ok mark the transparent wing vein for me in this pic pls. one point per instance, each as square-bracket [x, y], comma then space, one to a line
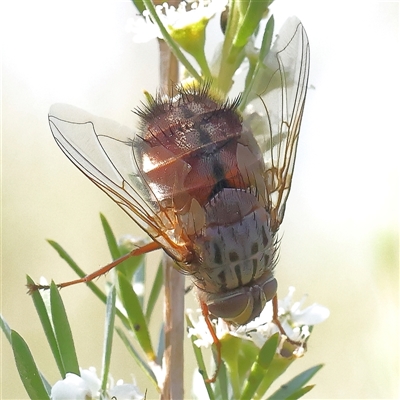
[276, 112]
[103, 150]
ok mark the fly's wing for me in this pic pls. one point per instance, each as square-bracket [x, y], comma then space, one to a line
[105, 152]
[276, 112]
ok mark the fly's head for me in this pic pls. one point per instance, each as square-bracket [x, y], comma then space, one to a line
[243, 304]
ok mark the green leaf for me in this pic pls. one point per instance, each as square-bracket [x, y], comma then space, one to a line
[110, 237]
[63, 332]
[139, 280]
[161, 344]
[65, 256]
[277, 367]
[139, 5]
[92, 286]
[27, 369]
[222, 383]
[260, 367]
[200, 362]
[136, 318]
[44, 316]
[294, 385]
[132, 265]
[155, 291]
[268, 351]
[301, 392]
[5, 328]
[248, 93]
[142, 364]
[227, 68]
[248, 354]
[230, 350]
[108, 337]
[249, 23]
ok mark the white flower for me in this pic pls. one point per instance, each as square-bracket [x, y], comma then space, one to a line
[87, 386]
[73, 387]
[294, 321]
[201, 331]
[144, 29]
[125, 391]
[91, 379]
[294, 316]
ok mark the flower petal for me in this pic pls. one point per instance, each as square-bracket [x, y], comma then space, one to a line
[73, 387]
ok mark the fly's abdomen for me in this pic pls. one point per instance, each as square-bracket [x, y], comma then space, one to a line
[237, 246]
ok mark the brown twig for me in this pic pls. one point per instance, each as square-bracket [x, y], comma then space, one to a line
[174, 282]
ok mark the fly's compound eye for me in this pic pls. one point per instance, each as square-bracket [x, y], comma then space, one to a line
[242, 306]
[269, 289]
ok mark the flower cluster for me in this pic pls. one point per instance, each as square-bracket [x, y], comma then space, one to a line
[186, 16]
[295, 321]
[87, 386]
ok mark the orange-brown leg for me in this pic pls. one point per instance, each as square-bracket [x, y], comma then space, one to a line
[206, 314]
[276, 321]
[136, 252]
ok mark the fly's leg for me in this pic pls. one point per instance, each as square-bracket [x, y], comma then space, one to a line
[276, 321]
[88, 278]
[206, 314]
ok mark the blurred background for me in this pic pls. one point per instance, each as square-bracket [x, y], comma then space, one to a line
[340, 234]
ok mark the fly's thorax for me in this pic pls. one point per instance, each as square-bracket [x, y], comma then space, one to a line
[236, 247]
[240, 306]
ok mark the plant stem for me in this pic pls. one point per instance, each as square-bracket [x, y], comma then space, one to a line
[174, 332]
[174, 282]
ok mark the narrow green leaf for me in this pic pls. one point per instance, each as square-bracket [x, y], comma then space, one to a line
[295, 384]
[5, 328]
[222, 384]
[139, 5]
[155, 291]
[44, 316]
[260, 366]
[27, 369]
[200, 362]
[248, 354]
[161, 344]
[110, 237]
[265, 48]
[301, 392]
[139, 281]
[142, 364]
[135, 316]
[108, 336]
[74, 266]
[92, 286]
[254, 13]
[277, 367]
[63, 332]
[268, 351]
[132, 265]
[230, 350]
